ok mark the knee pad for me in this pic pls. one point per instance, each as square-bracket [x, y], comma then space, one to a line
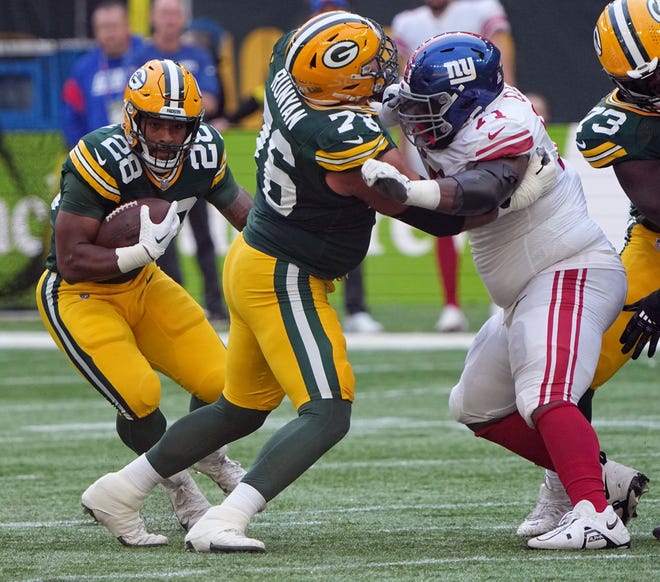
[141, 434]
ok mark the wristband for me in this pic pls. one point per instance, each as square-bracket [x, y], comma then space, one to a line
[129, 258]
[424, 193]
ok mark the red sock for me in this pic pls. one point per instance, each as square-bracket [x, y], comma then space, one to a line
[575, 452]
[447, 257]
[513, 433]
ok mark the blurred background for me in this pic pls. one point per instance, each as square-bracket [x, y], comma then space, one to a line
[40, 40]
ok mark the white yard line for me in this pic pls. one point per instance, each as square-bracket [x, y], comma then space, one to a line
[40, 340]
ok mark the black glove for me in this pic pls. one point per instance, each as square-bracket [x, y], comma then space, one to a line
[644, 326]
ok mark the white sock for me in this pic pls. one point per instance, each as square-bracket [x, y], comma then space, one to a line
[245, 498]
[552, 481]
[142, 474]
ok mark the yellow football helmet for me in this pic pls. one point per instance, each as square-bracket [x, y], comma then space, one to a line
[338, 57]
[165, 90]
[627, 42]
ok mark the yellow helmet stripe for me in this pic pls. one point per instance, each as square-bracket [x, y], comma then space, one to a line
[626, 36]
[93, 174]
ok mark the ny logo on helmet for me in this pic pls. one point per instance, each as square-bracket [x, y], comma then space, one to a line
[461, 71]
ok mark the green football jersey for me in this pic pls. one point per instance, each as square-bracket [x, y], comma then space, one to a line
[102, 172]
[296, 216]
[615, 131]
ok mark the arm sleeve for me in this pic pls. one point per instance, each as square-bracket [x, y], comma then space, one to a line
[432, 222]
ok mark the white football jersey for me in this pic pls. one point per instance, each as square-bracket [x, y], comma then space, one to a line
[555, 232]
[411, 28]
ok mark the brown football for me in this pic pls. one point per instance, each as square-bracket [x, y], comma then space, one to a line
[121, 228]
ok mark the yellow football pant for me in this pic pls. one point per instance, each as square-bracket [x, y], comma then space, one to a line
[285, 338]
[117, 335]
[641, 258]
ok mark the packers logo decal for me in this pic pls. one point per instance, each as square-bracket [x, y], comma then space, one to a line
[341, 54]
[138, 79]
[654, 9]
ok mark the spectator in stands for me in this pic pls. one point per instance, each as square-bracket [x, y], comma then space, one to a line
[168, 21]
[93, 94]
[410, 29]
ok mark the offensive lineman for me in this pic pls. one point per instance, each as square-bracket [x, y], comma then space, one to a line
[548, 265]
[310, 224]
[113, 312]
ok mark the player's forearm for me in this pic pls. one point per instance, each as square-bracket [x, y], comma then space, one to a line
[88, 262]
[236, 213]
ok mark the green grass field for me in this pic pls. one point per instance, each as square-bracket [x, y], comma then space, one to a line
[407, 495]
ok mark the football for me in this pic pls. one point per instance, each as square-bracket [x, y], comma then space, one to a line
[121, 228]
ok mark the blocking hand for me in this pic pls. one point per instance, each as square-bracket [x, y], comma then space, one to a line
[644, 326]
[388, 110]
[385, 178]
[539, 178]
[155, 237]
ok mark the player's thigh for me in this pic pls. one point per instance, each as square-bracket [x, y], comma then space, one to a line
[89, 323]
[556, 332]
[485, 390]
[641, 258]
[284, 317]
[178, 340]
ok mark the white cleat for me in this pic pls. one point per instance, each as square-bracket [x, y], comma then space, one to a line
[623, 487]
[114, 501]
[187, 500]
[361, 322]
[219, 467]
[551, 506]
[584, 528]
[222, 529]
[452, 319]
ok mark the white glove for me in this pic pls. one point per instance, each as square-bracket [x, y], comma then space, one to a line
[154, 239]
[385, 178]
[393, 185]
[388, 109]
[540, 177]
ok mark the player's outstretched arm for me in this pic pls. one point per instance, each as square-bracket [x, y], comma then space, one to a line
[479, 189]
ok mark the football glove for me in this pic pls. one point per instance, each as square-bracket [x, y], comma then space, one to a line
[539, 179]
[644, 326]
[154, 239]
[388, 108]
[393, 185]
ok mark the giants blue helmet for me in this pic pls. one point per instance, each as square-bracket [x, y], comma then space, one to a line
[448, 80]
